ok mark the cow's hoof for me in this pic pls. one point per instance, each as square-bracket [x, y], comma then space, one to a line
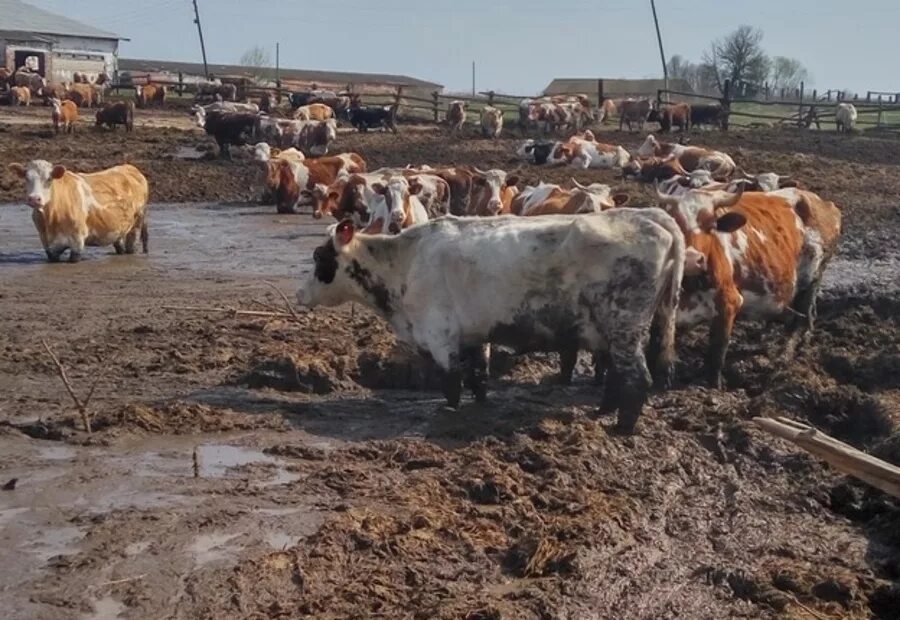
[74, 257]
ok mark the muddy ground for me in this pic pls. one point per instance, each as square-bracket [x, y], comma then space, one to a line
[301, 465]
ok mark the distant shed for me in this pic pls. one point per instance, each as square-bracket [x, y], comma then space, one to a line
[293, 79]
[53, 45]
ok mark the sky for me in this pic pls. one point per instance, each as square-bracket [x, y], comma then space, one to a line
[519, 46]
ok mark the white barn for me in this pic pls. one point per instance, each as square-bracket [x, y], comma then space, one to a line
[53, 45]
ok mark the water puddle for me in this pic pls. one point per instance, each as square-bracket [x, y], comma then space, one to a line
[282, 476]
[106, 608]
[208, 548]
[56, 453]
[280, 540]
[54, 542]
[188, 153]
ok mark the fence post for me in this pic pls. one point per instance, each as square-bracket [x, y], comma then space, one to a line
[766, 91]
[815, 95]
[398, 95]
[490, 98]
[726, 104]
[180, 84]
[782, 93]
[659, 96]
[869, 97]
[800, 107]
[434, 96]
[600, 96]
[880, 121]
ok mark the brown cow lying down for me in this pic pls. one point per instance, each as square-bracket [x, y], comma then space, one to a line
[72, 210]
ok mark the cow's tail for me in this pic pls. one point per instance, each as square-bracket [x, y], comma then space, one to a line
[129, 117]
[667, 302]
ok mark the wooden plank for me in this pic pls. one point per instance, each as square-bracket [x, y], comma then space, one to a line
[845, 458]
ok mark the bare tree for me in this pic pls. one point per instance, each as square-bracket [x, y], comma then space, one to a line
[699, 77]
[256, 56]
[787, 73]
[738, 57]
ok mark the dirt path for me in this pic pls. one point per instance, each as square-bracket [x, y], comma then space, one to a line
[331, 482]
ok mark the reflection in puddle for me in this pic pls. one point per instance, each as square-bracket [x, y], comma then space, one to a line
[215, 459]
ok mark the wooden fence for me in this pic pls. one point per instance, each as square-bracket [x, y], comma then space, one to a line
[803, 111]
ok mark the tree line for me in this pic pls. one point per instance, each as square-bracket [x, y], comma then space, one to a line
[740, 58]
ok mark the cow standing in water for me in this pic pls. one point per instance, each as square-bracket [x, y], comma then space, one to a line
[563, 283]
[72, 210]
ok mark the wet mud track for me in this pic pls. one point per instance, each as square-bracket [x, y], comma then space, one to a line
[328, 479]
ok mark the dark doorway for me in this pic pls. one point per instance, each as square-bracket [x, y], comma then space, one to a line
[22, 58]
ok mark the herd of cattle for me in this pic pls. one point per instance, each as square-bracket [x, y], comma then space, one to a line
[457, 258]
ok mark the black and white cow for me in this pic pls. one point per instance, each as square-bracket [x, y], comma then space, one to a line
[562, 283]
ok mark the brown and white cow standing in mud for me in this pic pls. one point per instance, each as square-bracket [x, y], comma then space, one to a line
[456, 116]
[764, 255]
[294, 182]
[491, 122]
[564, 283]
[64, 115]
[72, 210]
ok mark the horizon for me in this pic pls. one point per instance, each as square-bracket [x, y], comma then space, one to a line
[518, 47]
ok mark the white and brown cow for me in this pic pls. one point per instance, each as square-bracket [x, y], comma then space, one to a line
[720, 165]
[293, 182]
[398, 207]
[583, 151]
[72, 210]
[456, 116]
[763, 256]
[492, 192]
[491, 122]
[563, 283]
[554, 200]
[633, 111]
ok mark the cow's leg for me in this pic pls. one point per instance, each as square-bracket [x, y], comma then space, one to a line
[630, 378]
[720, 336]
[803, 322]
[54, 254]
[601, 364]
[475, 362]
[74, 256]
[145, 236]
[446, 353]
[119, 248]
[568, 357]
[131, 240]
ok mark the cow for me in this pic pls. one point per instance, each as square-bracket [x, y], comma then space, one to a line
[119, 113]
[64, 115]
[293, 182]
[85, 95]
[675, 115]
[607, 110]
[72, 210]
[30, 79]
[543, 152]
[845, 117]
[554, 200]
[768, 182]
[225, 106]
[20, 95]
[764, 256]
[433, 191]
[313, 112]
[215, 91]
[492, 192]
[449, 286]
[267, 102]
[150, 94]
[709, 114]
[456, 116]
[228, 128]
[351, 196]
[691, 158]
[399, 207]
[364, 118]
[312, 137]
[651, 169]
[491, 122]
[585, 152]
[634, 111]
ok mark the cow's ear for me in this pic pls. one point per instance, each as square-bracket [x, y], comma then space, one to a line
[512, 181]
[58, 171]
[730, 222]
[275, 153]
[343, 233]
[19, 169]
[379, 188]
[333, 196]
[414, 187]
[620, 200]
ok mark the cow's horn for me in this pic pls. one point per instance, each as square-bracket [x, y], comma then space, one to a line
[577, 184]
[478, 170]
[665, 199]
[727, 199]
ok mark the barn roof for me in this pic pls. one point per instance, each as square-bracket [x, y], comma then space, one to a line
[16, 16]
[614, 88]
[304, 75]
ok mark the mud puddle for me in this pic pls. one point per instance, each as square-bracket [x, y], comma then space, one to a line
[250, 240]
[133, 504]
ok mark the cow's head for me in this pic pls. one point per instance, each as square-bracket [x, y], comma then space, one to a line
[325, 198]
[769, 182]
[493, 183]
[396, 194]
[526, 150]
[600, 196]
[328, 284]
[649, 147]
[200, 116]
[262, 152]
[39, 176]
[700, 212]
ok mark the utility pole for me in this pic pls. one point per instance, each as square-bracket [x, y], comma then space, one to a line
[662, 54]
[202, 45]
[473, 79]
[277, 64]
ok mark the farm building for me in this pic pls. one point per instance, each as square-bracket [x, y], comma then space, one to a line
[292, 79]
[53, 45]
[614, 88]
